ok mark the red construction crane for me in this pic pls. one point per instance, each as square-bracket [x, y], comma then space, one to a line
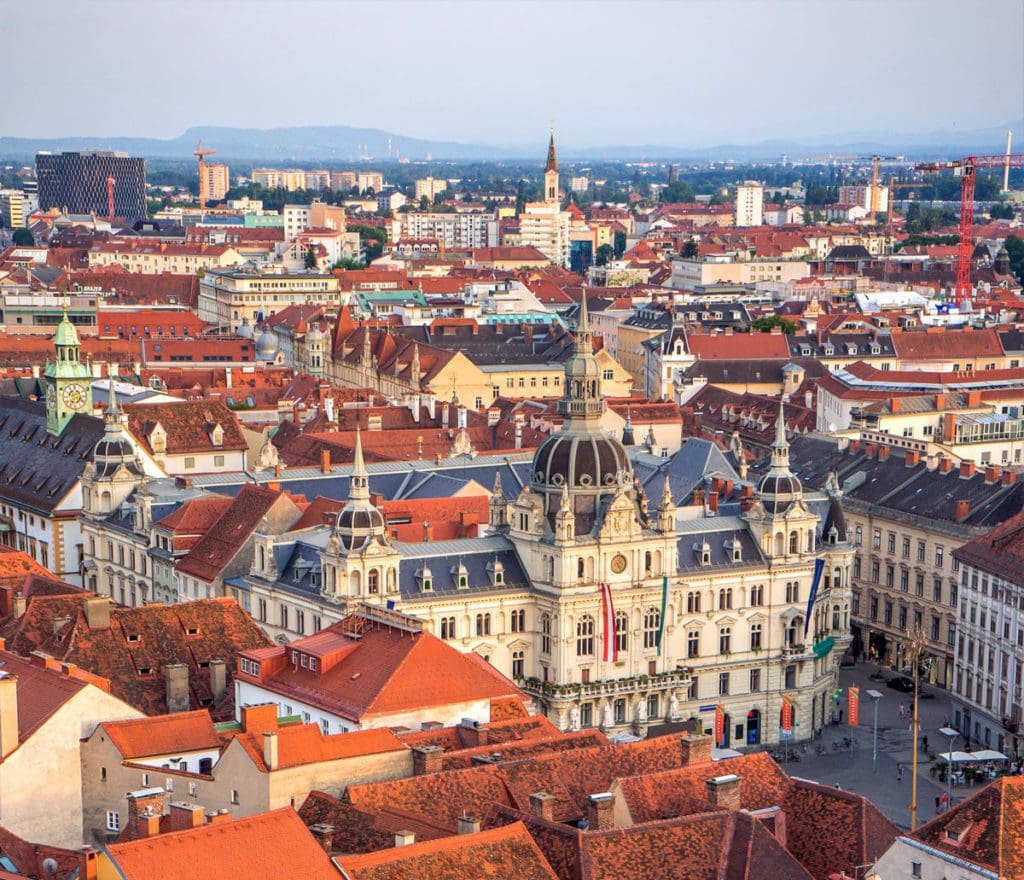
[201, 155]
[110, 198]
[965, 169]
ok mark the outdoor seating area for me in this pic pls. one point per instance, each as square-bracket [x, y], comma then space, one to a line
[969, 768]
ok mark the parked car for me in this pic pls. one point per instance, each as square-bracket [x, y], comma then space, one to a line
[901, 683]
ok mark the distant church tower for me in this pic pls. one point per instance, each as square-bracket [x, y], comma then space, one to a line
[551, 172]
[67, 380]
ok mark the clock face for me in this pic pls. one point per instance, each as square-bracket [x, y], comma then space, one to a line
[73, 396]
[618, 563]
[51, 397]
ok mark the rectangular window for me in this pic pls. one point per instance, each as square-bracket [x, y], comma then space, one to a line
[113, 820]
[755, 680]
[939, 553]
[723, 684]
[218, 461]
[190, 462]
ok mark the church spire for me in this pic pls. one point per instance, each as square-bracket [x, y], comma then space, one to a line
[359, 485]
[552, 156]
[780, 448]
[112, 414]
[551, 172]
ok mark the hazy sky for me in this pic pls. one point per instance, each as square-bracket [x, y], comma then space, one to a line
[690, 73]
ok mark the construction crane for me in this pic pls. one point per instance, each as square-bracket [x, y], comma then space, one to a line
[873, 199]
[110, 198]
[965, 169]
[201, 155]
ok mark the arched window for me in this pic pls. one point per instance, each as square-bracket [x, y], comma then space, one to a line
[652, 625]
[810, 540]
[725, 599]
[261, 559]
[545, 633]
[483, 624]
[779, 543]
[580, 568]
[373, 582]
[518, 621]
[585, 636]
[693, 603]
[835, 617]
[447, 627]
[794, 542]
[551, 568]
[837, 577]
[757, 595]
[621, 631]
[724, 640]
[755, 636]
[648, 559]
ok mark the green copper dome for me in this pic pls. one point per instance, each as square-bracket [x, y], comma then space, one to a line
[66, 333]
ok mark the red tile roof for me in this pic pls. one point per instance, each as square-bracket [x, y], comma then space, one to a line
[505, 852]
[999, 551]
[258, 847]
[931, 345]
[188, 424]
[301, 744]
[40, 691]
[738, 345]
[163, 734]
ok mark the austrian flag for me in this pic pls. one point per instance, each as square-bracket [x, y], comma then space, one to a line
[610, 643]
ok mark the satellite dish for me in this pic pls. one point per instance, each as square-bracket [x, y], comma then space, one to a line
[50, 866]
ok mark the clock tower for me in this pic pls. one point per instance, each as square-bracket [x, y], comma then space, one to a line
[67, 380]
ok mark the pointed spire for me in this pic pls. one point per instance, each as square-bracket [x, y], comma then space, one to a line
[780, 426]
[666, 492]
[780, 448]
[552, 164]
[564, 506]
[112, 408]
[497, 491]
[359, 484]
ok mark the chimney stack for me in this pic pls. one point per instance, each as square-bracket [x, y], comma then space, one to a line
[218, 679]
[696, 748]
[270, 749]
[724, 792]
[601, 811]
[949, 427]
[426, 759]
[542, 805]
[883, 453]
[8, 714]
[405, 838]
[945, 465]
[991, 475]
[963, 509]
[1009, 478]
[471, 733]
[966, 470]
[325, 461]
[145, 807]
[97, 612]
[184, 816]
[176, 681]
[324, 835]
[712, 502]
[88, 868]
[468, 824]
[913, 458]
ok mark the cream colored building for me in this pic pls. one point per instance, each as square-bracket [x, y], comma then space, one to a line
[750, 203]
[41, 790]
[545, 226]
[12, 208]
[156, 257]
[428, 187]
[215, 182]
[726, 269]
[227, 298]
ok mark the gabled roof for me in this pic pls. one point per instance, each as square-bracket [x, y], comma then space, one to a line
[738, 345]
[505, 852]
[301, 744]
[258, 847]
[163, 734]
[986, 829]
[40, 692]
[188, 424]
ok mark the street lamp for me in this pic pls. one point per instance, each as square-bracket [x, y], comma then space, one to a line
[951, 734]
[875, 697]
[915, 645]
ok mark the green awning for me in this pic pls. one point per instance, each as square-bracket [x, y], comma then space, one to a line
[824, 647]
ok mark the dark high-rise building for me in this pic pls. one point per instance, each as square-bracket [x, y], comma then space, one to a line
[77, 183]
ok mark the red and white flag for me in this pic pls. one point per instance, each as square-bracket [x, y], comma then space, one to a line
[610, 652]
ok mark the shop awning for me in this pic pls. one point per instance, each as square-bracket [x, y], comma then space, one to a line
[988, 755]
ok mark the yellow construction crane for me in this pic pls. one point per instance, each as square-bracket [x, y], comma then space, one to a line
[204, 187]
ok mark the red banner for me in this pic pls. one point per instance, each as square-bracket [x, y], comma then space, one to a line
[853, 706]
[719, 725]
[787, 714]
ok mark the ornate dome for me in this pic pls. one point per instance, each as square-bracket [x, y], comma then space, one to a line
[113, 450]
[245, 329]
[357, 523]
[778, 492]
[266, 346]
[579, 461]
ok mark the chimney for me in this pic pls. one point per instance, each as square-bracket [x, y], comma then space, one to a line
[991, 475]
[145, 808]
[542, 805]
[1009, 478]
[97, 612]
[949, 427]
[325, 461]
[295, 413]
[809, 399]
[974, 398]
[963, 508]
[895, 405]
[940, 402]
[601, 811]
[218, 818]
[8, 714]
[724, 792]
[696, 749]
[426, 759]
[227, 377]
[698, 497]
[176, 680]
[518, 420]
[324, 835]
[712, 502]
[945, 465]
[913, 458]
[870, 450]
[471, 733]
[184, 816]
[966, 470]
[408, 838]
[854, 446]
[468, 824]
[218, 679]
[270, 756]
[444, 415]
[883, 453]
[88, 868]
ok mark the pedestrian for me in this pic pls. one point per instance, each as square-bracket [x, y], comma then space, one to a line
[899, 772]
[924, 742]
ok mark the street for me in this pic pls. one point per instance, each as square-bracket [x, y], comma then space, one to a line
[851, 769]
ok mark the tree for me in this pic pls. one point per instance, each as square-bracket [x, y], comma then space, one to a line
[604, 254]
[1001, 211]
[23, 238]
[690, 250]
[310, 258]
[766, 324]
[347, 263]
[1015, 248]
[677, 191]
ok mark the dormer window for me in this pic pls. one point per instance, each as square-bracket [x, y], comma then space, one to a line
[703, 552]
[805, 350]
[158, 439]
[876, 348]
[217, 435]
[497, 572]
[734, 549]
[829, 349]
[425, 579]
[461, 575]
[833, 535]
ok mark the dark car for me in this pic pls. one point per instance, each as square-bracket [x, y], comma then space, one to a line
[901, 683]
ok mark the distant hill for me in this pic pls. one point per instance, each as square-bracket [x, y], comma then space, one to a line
[342, 143]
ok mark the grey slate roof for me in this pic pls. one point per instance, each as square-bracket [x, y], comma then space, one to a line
[694, 462]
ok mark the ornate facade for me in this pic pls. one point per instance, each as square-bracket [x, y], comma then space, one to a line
[611, 609]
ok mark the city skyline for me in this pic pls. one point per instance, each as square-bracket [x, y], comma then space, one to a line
[692, 81]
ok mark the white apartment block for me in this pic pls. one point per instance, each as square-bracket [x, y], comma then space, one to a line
[545, 226]
[453, 230]
[750, 203]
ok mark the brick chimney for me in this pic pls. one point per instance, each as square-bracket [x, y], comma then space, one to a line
[468, 824]
[184, 816]
[405, 838]
[176, 682]
[913, 458]
[945, 465]
[1009, 478]
[696, 748]
[218, 817]
[324, 835]
[854, 447]
[940, 402]
[426, 759]
[325, 461]
[88, 866]
[270, 749]
[948, 427]
[712, 502]
[966, 470]
[724, 792]
[218, 679]
[97, 612]
[8, 714]
[145, 807]
[895, 405]
[542, 805]
[991, 475]
[471, 733]
[963, 508]
[974, 398]
[601, 811]
[883, 453]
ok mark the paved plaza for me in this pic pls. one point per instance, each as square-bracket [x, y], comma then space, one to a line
[851, 770]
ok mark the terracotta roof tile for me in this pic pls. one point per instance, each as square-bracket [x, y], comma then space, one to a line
[163, 734]
[188, 424]
[300, 744]
[40, 692]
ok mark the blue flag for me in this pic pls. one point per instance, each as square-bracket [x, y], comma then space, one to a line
[819, 567]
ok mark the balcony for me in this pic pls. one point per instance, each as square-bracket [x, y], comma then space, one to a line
[611, 687]
[796, 652]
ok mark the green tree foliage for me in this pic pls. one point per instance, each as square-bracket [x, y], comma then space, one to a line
[1015, 248]
[691, 250]
[1001, 211]
[921, 218]
[23, 238]
[766, 324]
[374, 237]
[676, 192]
[619, 245]
[604, 254]
[310, 259]
[346, 263]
